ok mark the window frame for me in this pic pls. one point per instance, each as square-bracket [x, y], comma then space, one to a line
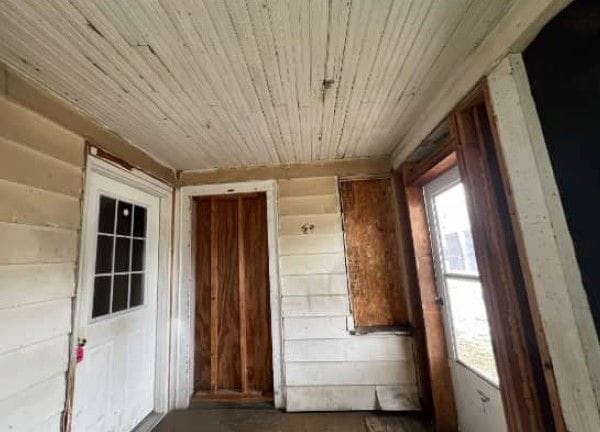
[96, 220]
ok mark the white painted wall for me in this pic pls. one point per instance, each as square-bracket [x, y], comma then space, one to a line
[327, 368]
[40, 192]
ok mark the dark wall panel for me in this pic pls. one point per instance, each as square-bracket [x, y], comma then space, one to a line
[232, 329]
[563, 64]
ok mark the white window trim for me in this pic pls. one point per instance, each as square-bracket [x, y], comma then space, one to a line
[182, 348]
[164, 193]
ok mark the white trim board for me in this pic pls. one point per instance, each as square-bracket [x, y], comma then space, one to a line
[184, 296]
[548, 248]
[163, 192]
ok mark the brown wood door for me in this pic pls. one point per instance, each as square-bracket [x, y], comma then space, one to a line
[233, 329]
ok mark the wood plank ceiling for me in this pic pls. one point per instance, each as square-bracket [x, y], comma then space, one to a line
[221, 83]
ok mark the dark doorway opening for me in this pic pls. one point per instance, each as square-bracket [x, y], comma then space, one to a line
[563, 67]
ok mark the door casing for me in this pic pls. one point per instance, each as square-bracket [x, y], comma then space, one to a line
[184, 293]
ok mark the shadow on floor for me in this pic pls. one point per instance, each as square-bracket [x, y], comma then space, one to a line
[250, 419]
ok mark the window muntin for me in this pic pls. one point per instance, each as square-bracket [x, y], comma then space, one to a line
[120, 257]
[460, 276]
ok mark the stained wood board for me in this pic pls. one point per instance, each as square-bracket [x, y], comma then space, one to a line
[372, 253]
[233, 339]
[523, 374]
[255, 252]
[203, 296]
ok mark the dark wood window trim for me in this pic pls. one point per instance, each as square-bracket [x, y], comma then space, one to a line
[431, 358]
[527, 383]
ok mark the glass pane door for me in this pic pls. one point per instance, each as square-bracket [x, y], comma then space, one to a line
[459, 281]
[120, 257]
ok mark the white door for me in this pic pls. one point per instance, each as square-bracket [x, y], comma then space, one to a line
[472, 362]
[115, 382]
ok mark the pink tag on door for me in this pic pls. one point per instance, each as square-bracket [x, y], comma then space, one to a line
[79, 354]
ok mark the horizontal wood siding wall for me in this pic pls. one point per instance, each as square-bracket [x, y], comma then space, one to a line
[41, 183]
[326, 367]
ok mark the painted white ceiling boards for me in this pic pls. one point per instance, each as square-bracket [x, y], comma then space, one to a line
[224, 83]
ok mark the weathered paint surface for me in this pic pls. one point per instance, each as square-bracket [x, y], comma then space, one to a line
[327, 368]
[40, 188]
[229, 83]
[511, 30]
[31, 96]
[547, 246]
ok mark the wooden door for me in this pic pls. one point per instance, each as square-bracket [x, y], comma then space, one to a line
[232, 331]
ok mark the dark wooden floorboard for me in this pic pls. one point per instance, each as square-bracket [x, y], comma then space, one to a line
[249, 419]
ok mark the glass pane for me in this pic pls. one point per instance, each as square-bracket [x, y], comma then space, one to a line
[124, 217]
[104, 254]
[106, 217]
[137, 258]
[137, 289]
[455, 231]
[101, 302]
[470, 325]
[122, 254]
[139, 222]
[120, 293]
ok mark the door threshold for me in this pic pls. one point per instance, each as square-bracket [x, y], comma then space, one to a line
[231, 405]
[231, 400]
[149, 423]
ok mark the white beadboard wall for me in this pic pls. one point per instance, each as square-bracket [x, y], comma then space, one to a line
[40, 192]
[327, 368]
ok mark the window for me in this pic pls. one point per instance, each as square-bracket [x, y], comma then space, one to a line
[120, 257]
[460, 276]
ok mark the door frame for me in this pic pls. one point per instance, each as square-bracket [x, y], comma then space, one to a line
[524, 365]
[436, 389]
[185, 292]
[139, 180]
[441, 183]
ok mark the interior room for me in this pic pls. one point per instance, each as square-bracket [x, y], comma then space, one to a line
[320, 215]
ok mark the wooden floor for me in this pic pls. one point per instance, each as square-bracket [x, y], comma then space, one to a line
[254, 418]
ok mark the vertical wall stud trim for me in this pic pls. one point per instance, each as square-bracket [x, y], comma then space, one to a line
[242, 296]
[547, 246]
